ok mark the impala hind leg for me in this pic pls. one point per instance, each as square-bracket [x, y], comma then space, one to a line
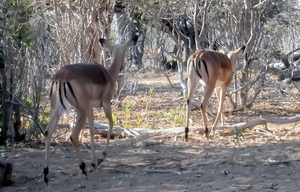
[80, 119]
[217, 91]
[191, 89]
[222, 93]
[108, 114]
[54, 116]
[92, 133]
[207, 93]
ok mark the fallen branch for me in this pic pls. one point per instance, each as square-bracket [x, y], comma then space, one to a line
[287, 162]
[153, 143]
[149, 170]
[135, 132]
[264, 132]
[263, 120]
[204, 163]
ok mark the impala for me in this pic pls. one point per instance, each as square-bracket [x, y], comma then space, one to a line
[153, 57]
[214, 70]
[85, 86]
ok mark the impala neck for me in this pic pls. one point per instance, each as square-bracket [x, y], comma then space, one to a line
[115, 67]
[233, 56]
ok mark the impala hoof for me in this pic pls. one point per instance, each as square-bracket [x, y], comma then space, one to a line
[99, 161]
[211, 135]
[45, 172]
[95, 168]
[83, 168]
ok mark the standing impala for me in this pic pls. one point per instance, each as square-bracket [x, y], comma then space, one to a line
[214, 70]
[85, 86]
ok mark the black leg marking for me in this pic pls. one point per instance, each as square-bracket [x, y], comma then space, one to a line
[201, 106]
[186, 133]
[46, 171]
[82, 167]
[205, 66]
[51, 88]
[199, 64]
[65, 90]
[60, 98]
[198, 69]
[72, 91]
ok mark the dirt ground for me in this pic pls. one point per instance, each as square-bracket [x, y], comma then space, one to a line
[258, 162]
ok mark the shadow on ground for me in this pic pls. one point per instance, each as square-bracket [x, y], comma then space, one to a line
[158, 163]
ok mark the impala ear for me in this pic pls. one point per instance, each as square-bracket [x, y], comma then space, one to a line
[243, 48]
[106, 44]
[132, 41]
[239, 52]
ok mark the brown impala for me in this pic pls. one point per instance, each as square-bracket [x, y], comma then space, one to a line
[85, 86]
[214, 70]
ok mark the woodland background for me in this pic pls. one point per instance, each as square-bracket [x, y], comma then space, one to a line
[37, 37]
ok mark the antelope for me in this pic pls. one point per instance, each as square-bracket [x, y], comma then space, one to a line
[85, 86]
[153, 55]
[214, 70]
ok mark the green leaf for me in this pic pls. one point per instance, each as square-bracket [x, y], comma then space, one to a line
[29, 42]
[22, 31]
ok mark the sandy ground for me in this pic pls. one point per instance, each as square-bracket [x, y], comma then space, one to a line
[158, 162]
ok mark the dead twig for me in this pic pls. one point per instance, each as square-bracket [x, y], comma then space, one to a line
[152, 143]
[18, 101]
[204, 163]
[169, 80]
[264, 132]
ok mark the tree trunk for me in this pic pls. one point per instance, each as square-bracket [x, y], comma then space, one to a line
[180, 69]
[5, 173]
[4, 119]
[17, 122]
[139, 50]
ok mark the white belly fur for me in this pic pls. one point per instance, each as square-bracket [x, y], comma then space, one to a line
[219, 83]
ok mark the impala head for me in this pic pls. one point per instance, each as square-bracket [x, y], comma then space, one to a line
[118, 50]
[234, 55]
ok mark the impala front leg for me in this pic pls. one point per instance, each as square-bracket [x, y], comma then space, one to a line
[80, 119]
[217, 91]
[222, 92]
[207, 93]
[48, 135]
[191, 89]
[107, 110]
